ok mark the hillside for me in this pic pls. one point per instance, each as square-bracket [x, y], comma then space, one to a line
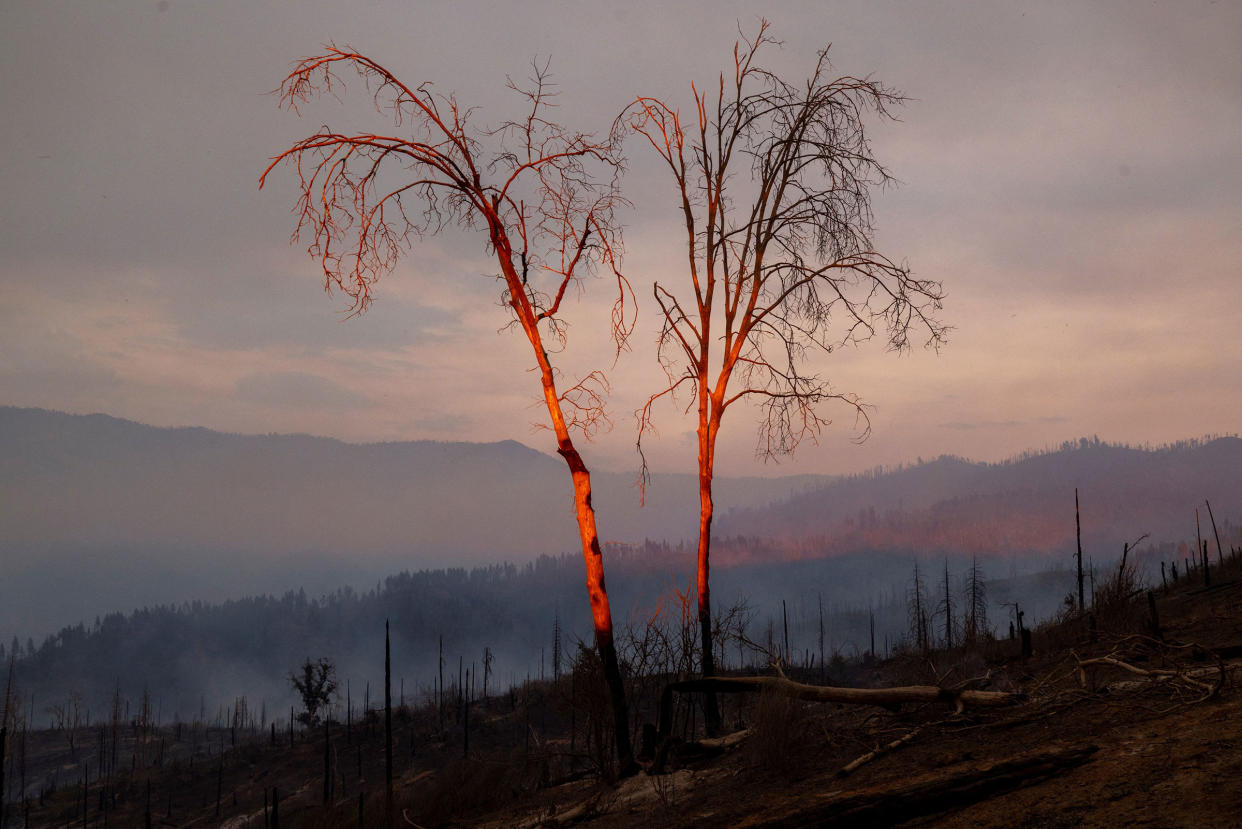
[200, 653]
[1025, 505]
[1116, 719]
[99, 515]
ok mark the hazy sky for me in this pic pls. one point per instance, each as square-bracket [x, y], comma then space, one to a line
[1072, 172]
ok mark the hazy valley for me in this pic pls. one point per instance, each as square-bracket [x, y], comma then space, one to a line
[312, 543]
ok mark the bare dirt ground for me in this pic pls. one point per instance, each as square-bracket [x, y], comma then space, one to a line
[1147, 734]
[1104, 746]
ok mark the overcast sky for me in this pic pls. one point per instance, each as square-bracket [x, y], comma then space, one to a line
[1071, 172]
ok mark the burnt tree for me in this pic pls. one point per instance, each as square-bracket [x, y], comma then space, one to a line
[542, 199]
[773, 182]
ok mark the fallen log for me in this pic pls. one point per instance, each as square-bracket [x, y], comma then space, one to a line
[827, 693]
[931, 795]
[852, 767]
[1154, 673]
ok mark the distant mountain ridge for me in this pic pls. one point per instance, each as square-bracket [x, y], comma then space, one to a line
[1023, 505]
[99, 480]
[99, 514]
[94, 479]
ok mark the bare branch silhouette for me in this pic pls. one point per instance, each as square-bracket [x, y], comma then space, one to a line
[774, 183]
[544, 198]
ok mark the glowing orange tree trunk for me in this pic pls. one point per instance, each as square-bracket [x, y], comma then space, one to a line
[584, 511]
[709, 427]
[779, 257]
[545, 196]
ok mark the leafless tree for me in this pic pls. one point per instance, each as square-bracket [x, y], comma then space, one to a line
[543, 198]
[946, 605]
[920, 627]
[774, 185]
[975, 620]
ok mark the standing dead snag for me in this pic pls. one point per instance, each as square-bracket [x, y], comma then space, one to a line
[975, 622]
[920, 629]
[545, 198]
[774, 183]
[1220, 553]
[1082, 607]
[388, 803]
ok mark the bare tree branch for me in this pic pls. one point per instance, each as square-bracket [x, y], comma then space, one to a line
[774, 182]
[546, 199]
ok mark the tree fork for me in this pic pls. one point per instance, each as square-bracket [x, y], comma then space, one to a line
[769, 271]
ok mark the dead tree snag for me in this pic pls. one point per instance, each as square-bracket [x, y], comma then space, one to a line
[543, 198]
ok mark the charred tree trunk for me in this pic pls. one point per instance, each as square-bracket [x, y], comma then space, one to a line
[821, 635]
[1220, 554]
[601, 612]
[785, 628]
[948, 609]
[4, 733]
[554, 197]
[918, 625]
[584, 510]
[1078, 534]
[709, 427]
[1198, 535]
[1155, 616]
[756, 276]
[388, 807]
[327, 764]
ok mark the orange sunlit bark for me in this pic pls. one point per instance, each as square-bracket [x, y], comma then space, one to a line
[548, 215]
[781, 259]
[584, 511]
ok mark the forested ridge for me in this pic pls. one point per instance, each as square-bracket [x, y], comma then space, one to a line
[198, 650]
[798, 542]
[1015, 506]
